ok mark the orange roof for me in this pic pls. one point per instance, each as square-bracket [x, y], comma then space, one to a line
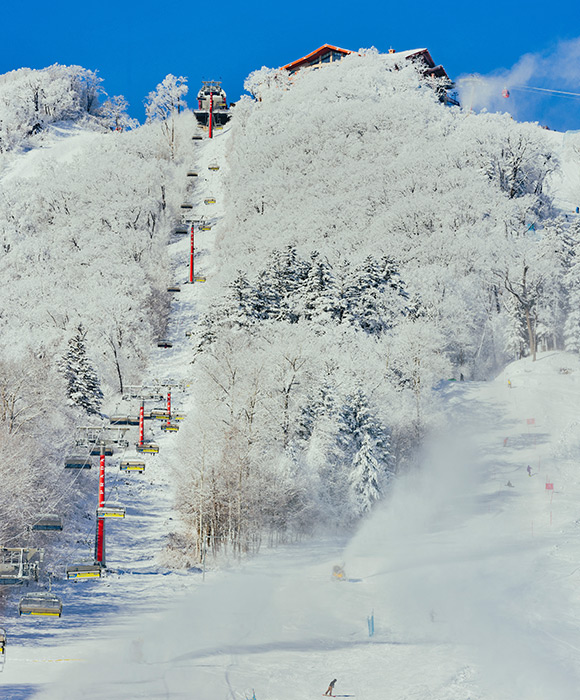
[314, 55]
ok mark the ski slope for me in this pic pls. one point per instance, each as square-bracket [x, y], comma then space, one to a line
[471, 582]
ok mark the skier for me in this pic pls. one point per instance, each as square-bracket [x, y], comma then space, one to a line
[509, 384]
[529, 470]
[330, 688]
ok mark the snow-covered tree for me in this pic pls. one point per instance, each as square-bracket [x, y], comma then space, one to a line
[83, 386]
[165, 103]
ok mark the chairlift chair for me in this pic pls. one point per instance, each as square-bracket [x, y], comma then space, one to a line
[205, 227]
[111, 510]
[46, 604]
[2, 645]
[124, 420]
[213, 166]
[174, 288]
[78, 462]
[151, 396]
[10, 575]
[107, 450]
[147, 448]
[209, 200]
[187, 206]
[48, 522]
[160, 414]
[191, 173]
[164, 344]
[132, 465]
[178, 416]
[197, 137]
[86, 570]
[170, 427]
[181, 231]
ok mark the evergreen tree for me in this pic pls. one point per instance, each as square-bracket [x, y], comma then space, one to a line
[365, 476]
[318, 291]
[364, 447]
[83, 386]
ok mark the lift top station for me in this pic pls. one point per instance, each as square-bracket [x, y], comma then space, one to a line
[212, 107]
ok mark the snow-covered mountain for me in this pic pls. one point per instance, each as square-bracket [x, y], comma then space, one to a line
[362, 246]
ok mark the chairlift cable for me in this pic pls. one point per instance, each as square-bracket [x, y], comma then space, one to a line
[549, 90]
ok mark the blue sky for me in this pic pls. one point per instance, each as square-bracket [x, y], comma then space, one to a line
[134, 45]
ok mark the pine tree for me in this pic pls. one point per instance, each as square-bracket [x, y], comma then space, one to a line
[83, 386]
[364, 447]
[365, 476]
[317, 295]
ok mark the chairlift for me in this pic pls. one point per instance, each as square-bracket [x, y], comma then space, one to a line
[10, 574]
[132, 465]
[46, 604]
[48, 522]
[107, 450]
[147, 448]
[151, 396]
[209, 200]
[86, 570]
[19, 564]
[111, 510]
[124, 420]
[170, 427]
[78, 462]
[191, 173]
[174, 288]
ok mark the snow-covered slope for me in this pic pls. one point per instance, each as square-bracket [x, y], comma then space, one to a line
[472, 582]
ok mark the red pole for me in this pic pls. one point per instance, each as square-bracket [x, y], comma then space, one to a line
[169, 407]
[210, 114]
[100, 545]
[191, 256]
[141, 421]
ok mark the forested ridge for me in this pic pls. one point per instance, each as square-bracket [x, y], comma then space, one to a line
[374, 244]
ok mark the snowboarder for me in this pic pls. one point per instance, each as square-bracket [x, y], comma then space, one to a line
[529, 470]
[509, 384]
[330, 688]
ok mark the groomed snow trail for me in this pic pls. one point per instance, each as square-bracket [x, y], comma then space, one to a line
[473, 591]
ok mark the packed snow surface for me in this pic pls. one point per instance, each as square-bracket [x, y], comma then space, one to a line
[468, 571]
